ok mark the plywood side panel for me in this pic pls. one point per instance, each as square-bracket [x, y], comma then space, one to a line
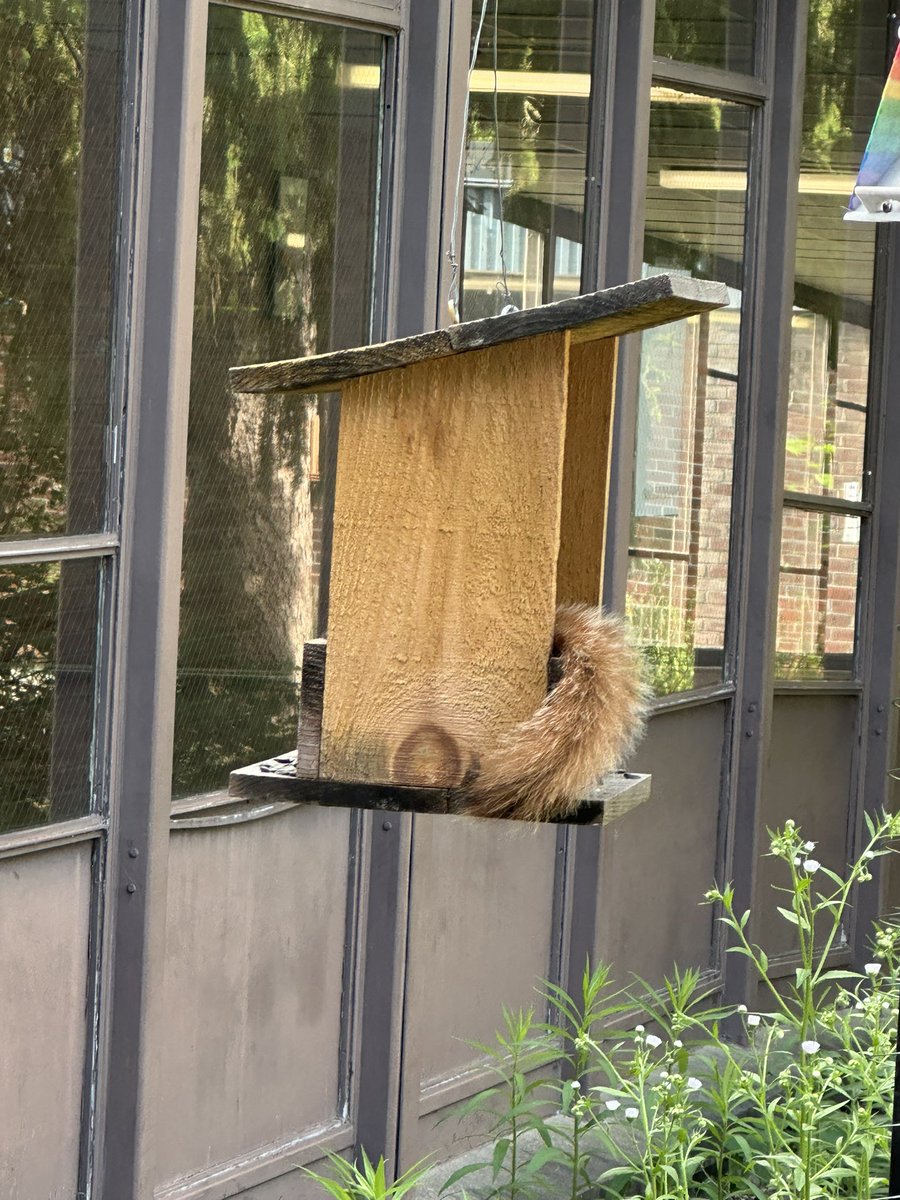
[659, 860]
[809, 780]
[44, 924]
[480, 937]
[446, 534]
[585, 489]
[255, 941]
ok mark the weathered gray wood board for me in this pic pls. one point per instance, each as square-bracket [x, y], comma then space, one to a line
[625, 309]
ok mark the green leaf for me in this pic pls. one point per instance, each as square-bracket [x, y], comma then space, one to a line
[790, 916]
[461, 1173]
[500, 1150]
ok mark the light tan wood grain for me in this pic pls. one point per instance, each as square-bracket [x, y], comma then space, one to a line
[585, 493]
[443, 578]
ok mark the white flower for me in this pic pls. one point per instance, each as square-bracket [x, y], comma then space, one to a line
[678, 1043]
[797, 860]
[653, 1041]
[742, 1008]
[809, 1047]
[612, 1105]
[753, 1020]
[872, 969]
[638, 1029]
[811, 865]
[632, 1114]
[693, 1084]
[575, 1085]
[809, 847]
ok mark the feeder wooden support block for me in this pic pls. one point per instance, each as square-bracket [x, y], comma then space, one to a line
[471, 499]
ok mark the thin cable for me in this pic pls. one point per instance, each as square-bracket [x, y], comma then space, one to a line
[453, 296]
[503, 272]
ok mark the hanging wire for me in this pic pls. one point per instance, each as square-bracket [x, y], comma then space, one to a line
[452, 256]
[453, 296]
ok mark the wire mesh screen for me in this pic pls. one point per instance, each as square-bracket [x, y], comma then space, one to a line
[288, 221]
[48, 653]
[59, 106]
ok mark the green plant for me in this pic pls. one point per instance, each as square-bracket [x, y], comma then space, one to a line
[796, 1109]
[365, 1181]
[517, 1103]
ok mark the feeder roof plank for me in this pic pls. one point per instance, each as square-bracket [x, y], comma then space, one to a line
[625, 309]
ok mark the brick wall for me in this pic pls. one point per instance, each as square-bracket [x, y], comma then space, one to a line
[681, 529]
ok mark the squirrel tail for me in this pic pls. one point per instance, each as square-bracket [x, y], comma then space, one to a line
[586, 726]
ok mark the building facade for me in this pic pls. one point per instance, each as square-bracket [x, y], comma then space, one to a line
[199, 995]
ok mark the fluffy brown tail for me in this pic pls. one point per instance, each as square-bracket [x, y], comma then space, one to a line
[585, 727]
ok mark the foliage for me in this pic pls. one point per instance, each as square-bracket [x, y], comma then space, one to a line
[355, 1181]
[797, 1108]
[670, 668]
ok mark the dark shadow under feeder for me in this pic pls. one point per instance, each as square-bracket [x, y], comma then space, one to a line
[470, 501]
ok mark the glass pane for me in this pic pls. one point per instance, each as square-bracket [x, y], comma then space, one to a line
[288, 218]
[681, 516]
[845, 72]
[834, 271]
[714, 33]
[538, 162]
[826, 433]
[59, 102]
[817, 595]
[48, 652]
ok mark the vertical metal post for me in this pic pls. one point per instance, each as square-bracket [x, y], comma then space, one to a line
[768, 359]
[878, 613]
[427, 140]
[161, 304]
[379, 1090]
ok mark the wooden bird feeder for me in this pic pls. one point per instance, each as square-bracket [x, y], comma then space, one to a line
[470, 499]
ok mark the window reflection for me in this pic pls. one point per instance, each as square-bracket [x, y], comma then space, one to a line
[543, 83]
[831, 327]
[48, 650]
[59, 112]
[681, 516]
[817, 595]
[712, 33]
[288, 217]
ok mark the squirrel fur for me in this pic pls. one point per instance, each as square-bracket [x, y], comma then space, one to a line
[587, 724]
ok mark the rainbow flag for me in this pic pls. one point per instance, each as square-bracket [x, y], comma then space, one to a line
[876, 196]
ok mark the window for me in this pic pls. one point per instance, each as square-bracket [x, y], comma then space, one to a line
[709, 33]
[681, 516]
[59, 203]
[290, 176]
[532, 148]
[826, 485]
